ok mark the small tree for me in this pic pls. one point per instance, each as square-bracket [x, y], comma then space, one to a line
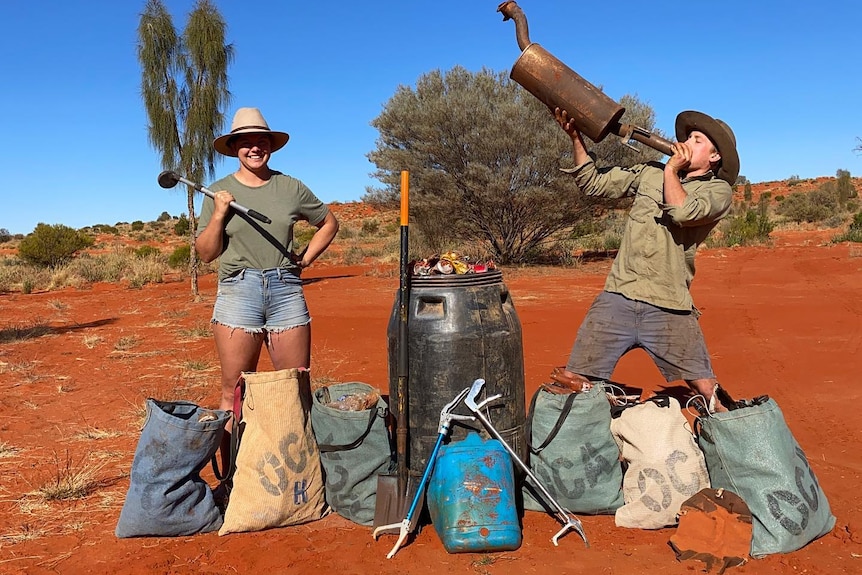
[484, 158]
[844, 187]
[747, 192]
[52, 246]
[5, 236]
[184, 84]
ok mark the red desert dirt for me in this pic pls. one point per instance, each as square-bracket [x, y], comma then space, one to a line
[77, 365]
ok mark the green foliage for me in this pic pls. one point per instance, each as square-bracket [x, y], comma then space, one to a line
[5, 236]
[52, 245]
[484, 158]
[164, 217]
[179, 257]
[137, 225]
[370, 226]
[844, 187]
[106, 229]
[751, 227]
[302, 234]
[793, 180]
[814, 206]
[147, 251]
[854, 231]
[184, 84]
[181, 228]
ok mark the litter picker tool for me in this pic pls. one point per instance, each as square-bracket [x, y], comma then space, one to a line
[564, 515]
[446, 418]
[169, 179]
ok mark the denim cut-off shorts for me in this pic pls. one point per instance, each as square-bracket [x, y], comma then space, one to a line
[614, 325]
[259, 301]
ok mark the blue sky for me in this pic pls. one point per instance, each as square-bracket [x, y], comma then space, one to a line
[784, 75]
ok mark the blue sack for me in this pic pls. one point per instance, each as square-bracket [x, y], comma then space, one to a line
[167, 496]
[354, 448]
[573, 452]
[751, 452]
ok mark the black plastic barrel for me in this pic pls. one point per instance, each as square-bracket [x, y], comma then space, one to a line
[460, 328]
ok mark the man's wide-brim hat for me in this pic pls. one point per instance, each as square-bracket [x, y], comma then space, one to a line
[248, 121]
[719, 134]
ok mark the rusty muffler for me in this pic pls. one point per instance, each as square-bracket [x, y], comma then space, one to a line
[558, 86]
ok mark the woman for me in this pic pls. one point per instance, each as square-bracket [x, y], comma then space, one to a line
[260, 299]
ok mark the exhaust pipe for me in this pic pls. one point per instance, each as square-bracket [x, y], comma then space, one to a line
[558, 86]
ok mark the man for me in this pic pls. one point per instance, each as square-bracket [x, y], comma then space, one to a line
[646, 301]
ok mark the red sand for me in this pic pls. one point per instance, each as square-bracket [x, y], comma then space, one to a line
[783, 321]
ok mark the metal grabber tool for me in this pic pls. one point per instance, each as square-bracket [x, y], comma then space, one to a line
[564, 515]
[446, 418]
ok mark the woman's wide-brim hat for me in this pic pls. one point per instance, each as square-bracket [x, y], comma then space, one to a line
[719, 134]
[248, 121]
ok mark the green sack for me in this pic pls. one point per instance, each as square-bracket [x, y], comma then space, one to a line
[573, 453]
[751, 452]
[354, 449]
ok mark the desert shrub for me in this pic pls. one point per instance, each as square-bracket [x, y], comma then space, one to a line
[793, 180]
[181, 228]
[66, 276]
[814, 206]
[747, 192]
[88, 268]
[353, 255]
[106, 229]
[164, 217]
[146, 270]
[137, 225]
[27, 276]
[369, 227]
[5, 236]
[115, 264]
[750, 227]
[346, 233]
[147, 251]
[179, 258]
[51, 246]
[854, 231]
[302, 233]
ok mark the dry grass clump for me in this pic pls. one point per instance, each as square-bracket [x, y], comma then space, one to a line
[69, 480]
[127, 342]
[90, 433]
[7, 450]
[201, 329]
[91, 341]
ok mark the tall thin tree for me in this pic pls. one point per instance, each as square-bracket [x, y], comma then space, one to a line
[184, 85]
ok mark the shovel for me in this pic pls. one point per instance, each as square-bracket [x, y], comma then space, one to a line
[394, 490]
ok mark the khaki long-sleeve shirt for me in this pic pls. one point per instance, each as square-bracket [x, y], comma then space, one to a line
[655, 262]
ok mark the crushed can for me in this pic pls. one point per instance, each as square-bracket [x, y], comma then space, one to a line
[471, 497]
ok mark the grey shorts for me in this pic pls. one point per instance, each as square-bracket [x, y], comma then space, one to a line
[614, 325]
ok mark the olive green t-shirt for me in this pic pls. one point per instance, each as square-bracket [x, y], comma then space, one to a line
[249, 243]
[655, 262]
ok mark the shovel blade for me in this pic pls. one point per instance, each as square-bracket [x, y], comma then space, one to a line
[392, 504]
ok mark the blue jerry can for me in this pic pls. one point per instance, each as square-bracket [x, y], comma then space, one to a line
[471, 497]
